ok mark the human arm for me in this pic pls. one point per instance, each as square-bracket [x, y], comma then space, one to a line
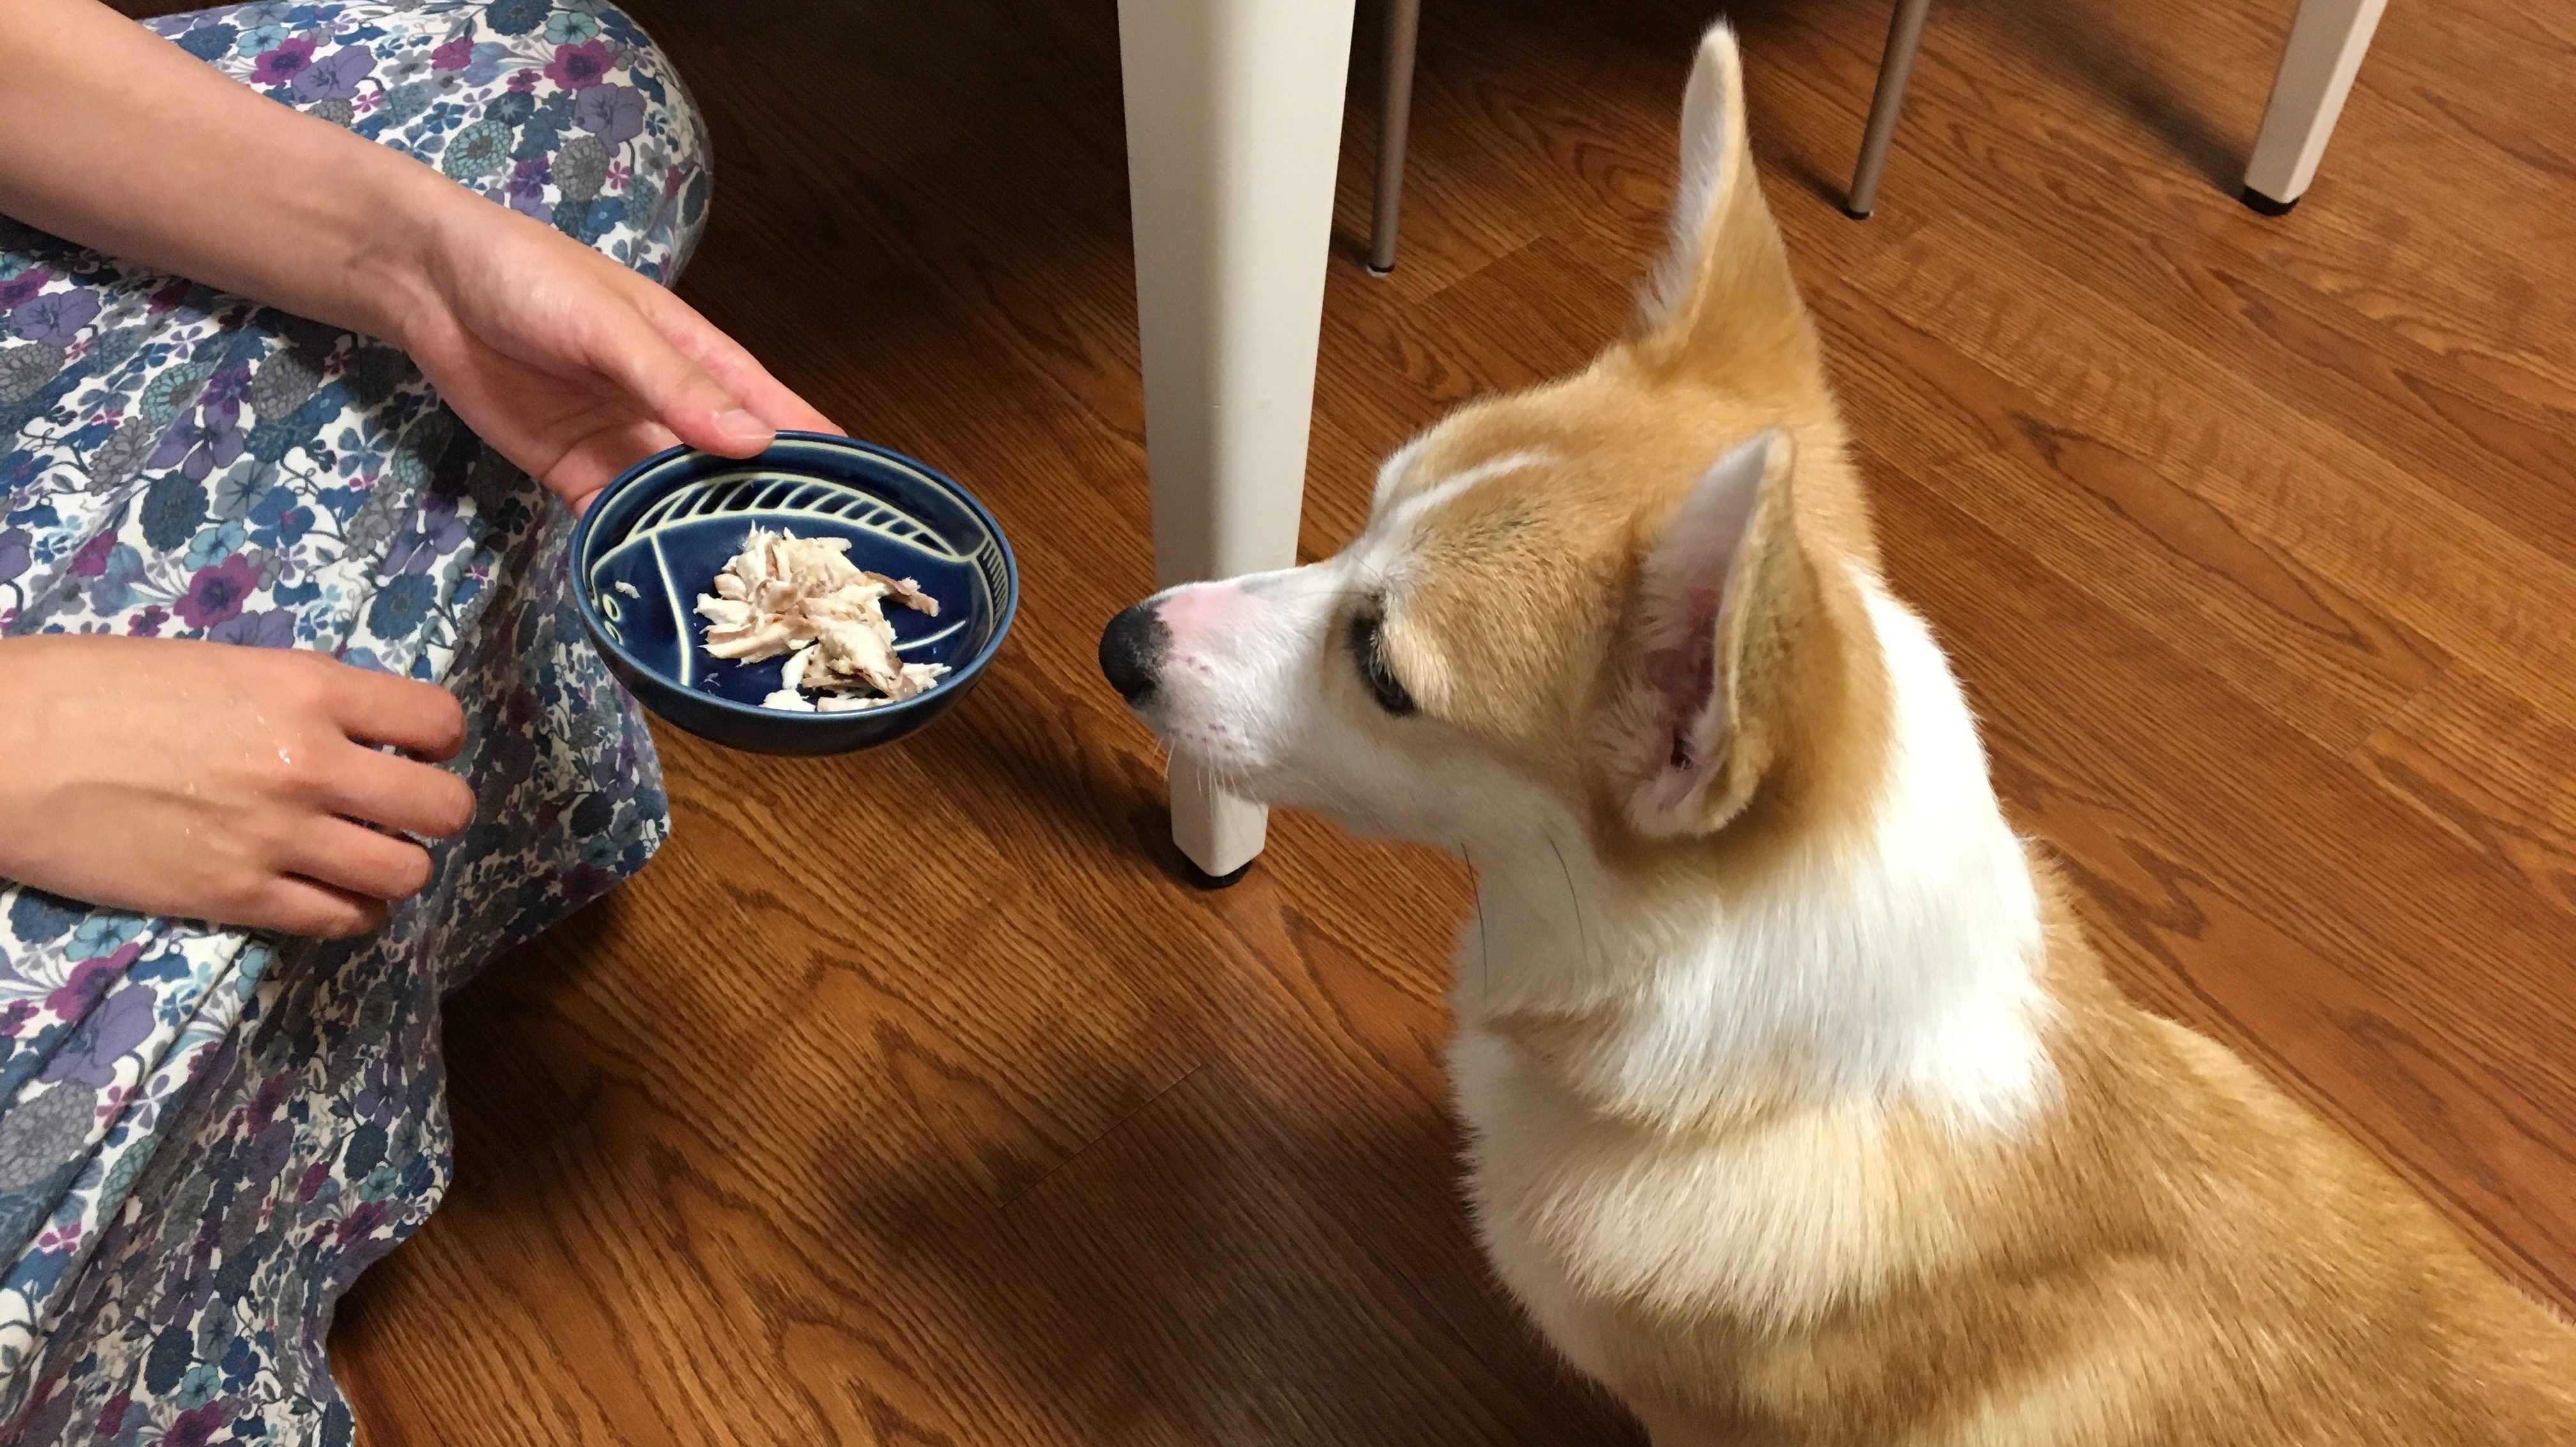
[569, 364]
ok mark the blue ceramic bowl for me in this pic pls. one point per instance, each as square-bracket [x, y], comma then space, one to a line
[670, 523]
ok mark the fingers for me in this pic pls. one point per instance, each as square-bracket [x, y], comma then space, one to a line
[421, 719]
[669, 386]
[732, 367]
[358, 861]
[400, 793]
[771, 401]
[334, 877]
[764, 395]
[304, 907]
[408, 797]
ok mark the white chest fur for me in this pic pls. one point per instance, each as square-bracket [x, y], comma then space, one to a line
[1896, 972]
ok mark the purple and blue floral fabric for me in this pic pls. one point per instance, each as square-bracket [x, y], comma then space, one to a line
[205, 1135]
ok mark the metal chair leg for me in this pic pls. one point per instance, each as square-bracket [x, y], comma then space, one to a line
[1395, 118]
[1904, 37]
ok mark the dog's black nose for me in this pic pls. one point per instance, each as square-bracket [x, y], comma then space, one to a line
[1131, 650]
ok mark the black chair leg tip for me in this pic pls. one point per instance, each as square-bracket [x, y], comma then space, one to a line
[1212, 882]
[1855, 215]
[2265, 205]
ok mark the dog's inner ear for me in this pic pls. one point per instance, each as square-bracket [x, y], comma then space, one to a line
[1707, 644]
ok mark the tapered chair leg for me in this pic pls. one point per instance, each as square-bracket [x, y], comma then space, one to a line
[1904, 38]
[1395, 118]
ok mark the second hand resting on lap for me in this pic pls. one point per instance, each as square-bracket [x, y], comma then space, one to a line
[207, 781]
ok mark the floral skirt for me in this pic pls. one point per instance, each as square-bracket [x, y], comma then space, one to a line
[205, 1134]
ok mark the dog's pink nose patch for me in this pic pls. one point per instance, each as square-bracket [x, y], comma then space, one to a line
[1202, 609]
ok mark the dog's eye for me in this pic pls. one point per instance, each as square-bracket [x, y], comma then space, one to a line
[1368, 654]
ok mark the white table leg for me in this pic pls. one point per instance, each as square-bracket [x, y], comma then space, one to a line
[2317, 66]
[1234, 127]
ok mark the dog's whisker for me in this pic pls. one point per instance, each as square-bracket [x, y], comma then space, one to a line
[1582, 935]
[1484, 943]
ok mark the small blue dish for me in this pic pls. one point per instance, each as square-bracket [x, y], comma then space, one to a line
[669, 524]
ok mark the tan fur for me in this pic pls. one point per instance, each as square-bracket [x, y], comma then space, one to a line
[2179, 1256]
[2171, 1253]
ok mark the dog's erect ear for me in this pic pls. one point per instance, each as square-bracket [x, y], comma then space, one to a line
[1723, 303]
[1696, 716]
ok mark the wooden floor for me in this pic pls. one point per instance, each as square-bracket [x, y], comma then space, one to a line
[908, 1099]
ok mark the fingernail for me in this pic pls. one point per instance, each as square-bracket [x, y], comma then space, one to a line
[738, 423]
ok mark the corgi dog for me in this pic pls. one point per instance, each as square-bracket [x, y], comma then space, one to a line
[1801, 1114]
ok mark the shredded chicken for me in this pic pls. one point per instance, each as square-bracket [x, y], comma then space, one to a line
[908, 592]
[803, 598]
